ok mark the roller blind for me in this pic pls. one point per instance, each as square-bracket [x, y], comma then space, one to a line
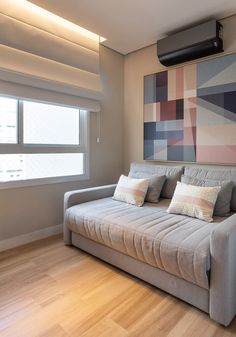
[41, 50]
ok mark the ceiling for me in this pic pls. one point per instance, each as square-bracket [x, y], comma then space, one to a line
[129, 25]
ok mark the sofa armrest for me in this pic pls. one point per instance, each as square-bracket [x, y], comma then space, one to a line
[78, 197]
[222, 304]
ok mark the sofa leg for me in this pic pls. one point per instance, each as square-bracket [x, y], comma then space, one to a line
[67, 234]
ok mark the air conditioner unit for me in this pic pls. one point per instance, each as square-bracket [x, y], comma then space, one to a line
[199, 41]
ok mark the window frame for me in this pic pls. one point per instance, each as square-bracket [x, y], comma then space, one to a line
[21, 148]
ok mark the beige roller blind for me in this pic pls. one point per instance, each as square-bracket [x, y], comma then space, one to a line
[42, 50]
[12, 89]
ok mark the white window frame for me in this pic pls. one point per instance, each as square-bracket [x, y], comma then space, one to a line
[21, 148]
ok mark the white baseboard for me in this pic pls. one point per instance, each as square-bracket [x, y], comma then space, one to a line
[29, 237]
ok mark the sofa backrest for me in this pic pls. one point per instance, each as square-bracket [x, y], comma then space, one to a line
[172, 173]
[215, 174]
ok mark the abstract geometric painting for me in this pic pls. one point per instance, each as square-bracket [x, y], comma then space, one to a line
[190, 113]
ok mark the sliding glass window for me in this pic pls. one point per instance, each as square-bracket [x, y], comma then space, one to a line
[41, 143]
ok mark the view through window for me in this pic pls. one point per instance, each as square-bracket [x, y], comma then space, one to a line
[8, 120]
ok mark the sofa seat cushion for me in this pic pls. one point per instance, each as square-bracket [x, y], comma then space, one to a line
[177, 244]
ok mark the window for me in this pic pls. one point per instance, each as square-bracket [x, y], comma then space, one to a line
[8, 120]
[41, 143]
[48, 124]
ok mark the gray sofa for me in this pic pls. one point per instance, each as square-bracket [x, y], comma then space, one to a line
[186, 257]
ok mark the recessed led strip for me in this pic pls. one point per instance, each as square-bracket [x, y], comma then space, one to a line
[34, 9]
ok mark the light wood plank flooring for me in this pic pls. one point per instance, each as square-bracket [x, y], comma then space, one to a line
[49, 290]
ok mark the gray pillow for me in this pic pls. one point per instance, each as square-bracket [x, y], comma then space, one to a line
[154, 187]
[172, 173]
[222, 205]
[228, 174]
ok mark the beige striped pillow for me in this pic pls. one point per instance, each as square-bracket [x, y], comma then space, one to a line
[195, 201]
[130, 190]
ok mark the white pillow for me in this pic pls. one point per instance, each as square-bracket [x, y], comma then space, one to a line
[195, 201]
[130, 190]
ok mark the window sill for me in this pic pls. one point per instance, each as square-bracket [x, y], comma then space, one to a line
[41, 181]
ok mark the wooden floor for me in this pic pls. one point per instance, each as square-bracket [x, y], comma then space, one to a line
[49, 290]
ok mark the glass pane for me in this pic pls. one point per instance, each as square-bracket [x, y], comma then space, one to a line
[50, 124]
[8, 120]
[34, 166]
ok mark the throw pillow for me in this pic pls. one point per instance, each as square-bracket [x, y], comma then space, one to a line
[154, 187]
[222, 205]
[195, 201]
[132, 191]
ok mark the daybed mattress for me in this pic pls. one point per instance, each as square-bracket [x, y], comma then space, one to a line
[178, 244]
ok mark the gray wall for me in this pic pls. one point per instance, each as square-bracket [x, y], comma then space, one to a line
[24, 210]
[138, 64]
